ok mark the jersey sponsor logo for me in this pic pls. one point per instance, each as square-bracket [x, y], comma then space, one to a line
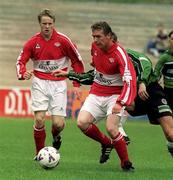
[99, 77]
[108, 80]
[48, 66]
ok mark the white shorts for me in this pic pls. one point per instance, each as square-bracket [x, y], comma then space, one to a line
[100, 106]
[49, 96]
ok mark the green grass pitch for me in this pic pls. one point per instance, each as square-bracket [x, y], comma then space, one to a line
[80, 155]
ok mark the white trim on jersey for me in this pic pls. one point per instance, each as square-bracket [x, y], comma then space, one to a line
[19, 75]
[126, 76]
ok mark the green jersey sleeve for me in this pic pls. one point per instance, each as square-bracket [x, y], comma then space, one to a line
[142, 64]
[164, 67]
[83, 78]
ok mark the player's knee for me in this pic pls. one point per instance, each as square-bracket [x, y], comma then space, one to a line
[82, 123]
[84, 120]
[169, 135]
[58, 122]
[59, 126]
[39, 120]
[112, 131]
[166, 123]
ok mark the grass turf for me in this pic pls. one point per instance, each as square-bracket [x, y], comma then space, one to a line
[80, 155]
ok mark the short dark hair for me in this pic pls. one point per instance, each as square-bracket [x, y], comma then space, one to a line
[46, 12]
[114, 37]
[102, 25]
[169, 35]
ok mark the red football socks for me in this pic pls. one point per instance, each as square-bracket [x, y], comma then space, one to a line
[121, 148]
[94, 133]
[39, 137]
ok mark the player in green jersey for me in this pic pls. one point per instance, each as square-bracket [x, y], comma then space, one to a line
[164, 68]
[151, 98]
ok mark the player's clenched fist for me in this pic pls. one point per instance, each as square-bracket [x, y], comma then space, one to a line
[28, 74]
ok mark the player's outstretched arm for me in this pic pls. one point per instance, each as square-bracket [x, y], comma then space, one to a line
[83, 78]
[60, 73]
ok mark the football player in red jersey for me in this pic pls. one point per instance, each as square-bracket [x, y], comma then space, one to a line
[49, 50]
[114, 87]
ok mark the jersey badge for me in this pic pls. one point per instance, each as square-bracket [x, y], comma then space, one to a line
[111, 60]
[57, 44]
[37, 46]
[164, 101]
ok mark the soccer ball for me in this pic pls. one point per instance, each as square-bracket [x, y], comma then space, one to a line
[48, 157]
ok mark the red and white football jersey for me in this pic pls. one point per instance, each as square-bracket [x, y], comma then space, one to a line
[48, 56]
[114, 74]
